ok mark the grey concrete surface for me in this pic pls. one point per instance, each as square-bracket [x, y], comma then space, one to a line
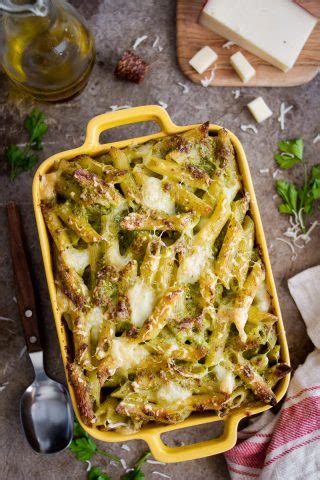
[116, 24]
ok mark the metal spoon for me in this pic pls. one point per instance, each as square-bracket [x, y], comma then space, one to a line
[45, 407]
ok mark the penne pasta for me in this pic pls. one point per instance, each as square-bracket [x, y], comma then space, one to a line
[160, 282]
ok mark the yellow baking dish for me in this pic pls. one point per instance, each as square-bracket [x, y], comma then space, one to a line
[152, 433]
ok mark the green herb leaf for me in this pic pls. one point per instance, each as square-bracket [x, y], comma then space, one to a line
[142, 459]
[78, 430]
[295, 147]
[286, 161]
[292, 153]
[96, 474]
[83, 448]
[136, 473]
[290, 194]
[315, 182]
[36, 126]
[19, 160]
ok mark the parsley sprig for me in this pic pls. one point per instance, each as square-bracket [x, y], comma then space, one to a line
[136, 473]
[297, 200]
[96, 474]
[84, 447]
[22, 159]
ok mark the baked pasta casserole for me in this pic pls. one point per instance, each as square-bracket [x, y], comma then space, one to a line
[160, 282]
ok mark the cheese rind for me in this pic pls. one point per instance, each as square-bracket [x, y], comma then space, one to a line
[243, 68]
[203, 59]
[274, 30]
[259, 109]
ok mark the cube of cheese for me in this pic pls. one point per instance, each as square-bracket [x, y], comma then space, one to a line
[243, 68]
[274, 30]
[203, 59]
[259, 109]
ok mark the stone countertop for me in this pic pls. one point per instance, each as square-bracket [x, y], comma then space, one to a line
[116, 25]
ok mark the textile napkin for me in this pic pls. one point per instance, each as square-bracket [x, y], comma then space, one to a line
[287, 445]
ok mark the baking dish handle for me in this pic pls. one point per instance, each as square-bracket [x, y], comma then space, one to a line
[227, 440]
[108, 120]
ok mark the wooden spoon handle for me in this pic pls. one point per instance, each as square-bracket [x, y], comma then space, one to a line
[23, 282]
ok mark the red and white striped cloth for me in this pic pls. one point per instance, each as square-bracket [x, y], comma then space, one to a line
[286, 446]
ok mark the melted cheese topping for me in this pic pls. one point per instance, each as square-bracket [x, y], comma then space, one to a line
[114, 256]
[262, 299]
[142, 301]
[225, 378]
[48, 184]
[127, 354]
[155, 197]
[77, 259]
[171, 392]
[191, 266]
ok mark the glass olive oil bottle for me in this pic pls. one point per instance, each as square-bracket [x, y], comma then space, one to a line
[46, 48]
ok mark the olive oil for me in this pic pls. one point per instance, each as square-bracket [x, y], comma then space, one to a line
[51, 55]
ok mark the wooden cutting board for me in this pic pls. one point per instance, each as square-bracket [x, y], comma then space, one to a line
[191, 37]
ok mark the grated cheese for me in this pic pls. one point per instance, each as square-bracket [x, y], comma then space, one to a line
[156, 44]
[3, 386]
[126, 447]
[283, 111]
[114, 108]
[123, 463]
[264, 170]
[116, 425]
[228, 44]
[316, 138]
[184, 86]
[294, 254]
[236, 93]
[89, 465]
[155, 462]
[276, 173]
[6, 319]
[163, 104]
[249, 127]
[138, 41]
[206, 81]
[155, 472]
[22, 352]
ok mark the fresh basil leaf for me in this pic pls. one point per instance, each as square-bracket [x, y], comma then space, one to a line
[96, 474]
[294, 147]
[83, 448]
[286, 161]
[36, 126]
[20, 160]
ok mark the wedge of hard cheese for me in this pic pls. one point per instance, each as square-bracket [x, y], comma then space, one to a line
[274, 30]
